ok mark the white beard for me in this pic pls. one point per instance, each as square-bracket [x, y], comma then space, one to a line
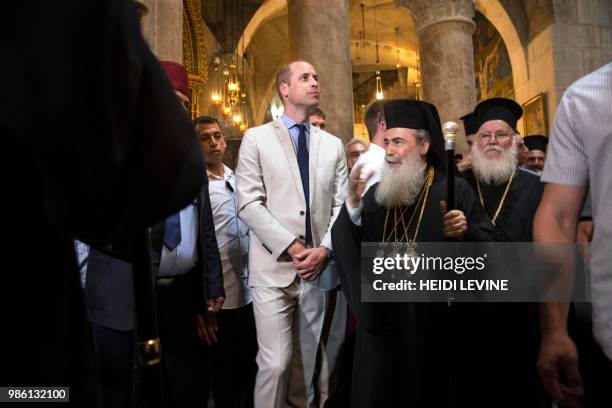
[494, 171]
[400, 186]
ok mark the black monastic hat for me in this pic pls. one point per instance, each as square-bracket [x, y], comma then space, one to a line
[413, 114]
[470, 123]
[536, 142]
[498, 108]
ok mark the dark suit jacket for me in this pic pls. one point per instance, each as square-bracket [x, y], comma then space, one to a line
[110, 283]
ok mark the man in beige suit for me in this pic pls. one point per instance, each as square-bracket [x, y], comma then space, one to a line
[291, 182]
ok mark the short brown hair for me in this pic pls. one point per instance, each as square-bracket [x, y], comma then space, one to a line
[283, 76]
[372, 117]
[314, 111]
[206, 120]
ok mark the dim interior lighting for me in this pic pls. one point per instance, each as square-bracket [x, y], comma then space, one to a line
[379, 91]
[237, 118]
[397, 48]
[216, 98]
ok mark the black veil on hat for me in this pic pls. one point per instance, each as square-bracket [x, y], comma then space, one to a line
[536, 142]
[498, 108]
[470, 123]
[413, 114]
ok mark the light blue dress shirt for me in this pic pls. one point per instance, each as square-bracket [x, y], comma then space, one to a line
[294, 131]
[232, 239]
[183, 258]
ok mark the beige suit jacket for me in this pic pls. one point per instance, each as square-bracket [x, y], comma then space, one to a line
[271, 198]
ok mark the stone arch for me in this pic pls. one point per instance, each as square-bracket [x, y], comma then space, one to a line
[269, 10]
[264, 60]
[509, 29]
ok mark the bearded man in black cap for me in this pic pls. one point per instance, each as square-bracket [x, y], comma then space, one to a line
[537, 152]
[510, 196]
[402, 351]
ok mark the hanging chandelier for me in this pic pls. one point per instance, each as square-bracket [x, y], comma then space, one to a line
[397, 65]
[216, 96]
[417, 81]
[379, 91]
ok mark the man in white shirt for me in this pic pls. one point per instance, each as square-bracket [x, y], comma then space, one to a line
[229, 344]
[373, 159]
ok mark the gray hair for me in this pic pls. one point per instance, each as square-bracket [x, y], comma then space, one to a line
[354, 141]
[422, 136]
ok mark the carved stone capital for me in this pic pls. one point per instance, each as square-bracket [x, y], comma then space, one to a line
[429, 12]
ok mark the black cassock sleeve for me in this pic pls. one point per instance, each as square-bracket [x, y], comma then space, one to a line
[346, 241]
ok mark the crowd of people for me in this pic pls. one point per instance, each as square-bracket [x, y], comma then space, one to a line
[256, 270]
[257, 282]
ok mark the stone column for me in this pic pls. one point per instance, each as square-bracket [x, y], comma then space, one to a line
[446, 52]
[320, 35]
[162, 28]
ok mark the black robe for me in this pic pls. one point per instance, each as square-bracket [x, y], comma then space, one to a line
[515, 220]
[407, 354]
[511, 333]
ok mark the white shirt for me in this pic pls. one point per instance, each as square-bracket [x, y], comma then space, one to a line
[232, 239]
[354, 213]
[82, 253]
[373, 160]
[183, 258]
[580, 154]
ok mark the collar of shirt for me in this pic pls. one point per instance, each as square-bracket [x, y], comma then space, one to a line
[373, 147]
[227, 173]
[294, 131]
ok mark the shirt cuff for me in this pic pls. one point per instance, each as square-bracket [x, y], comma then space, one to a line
[354, 213]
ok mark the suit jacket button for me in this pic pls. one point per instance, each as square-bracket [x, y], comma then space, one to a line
[302, 213]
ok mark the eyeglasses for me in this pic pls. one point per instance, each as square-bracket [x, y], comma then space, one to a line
[499, 135]
[229, 186]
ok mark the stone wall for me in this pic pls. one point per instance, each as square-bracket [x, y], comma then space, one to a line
[582, 39]
[551, 43]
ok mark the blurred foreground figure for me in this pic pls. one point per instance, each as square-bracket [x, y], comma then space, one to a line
[98, 144]
[578, 158]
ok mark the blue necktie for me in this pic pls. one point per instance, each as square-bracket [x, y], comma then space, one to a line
[302, 157]
[172, 231]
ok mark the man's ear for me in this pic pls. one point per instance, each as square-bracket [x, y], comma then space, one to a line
[424, 148]
[284, 89]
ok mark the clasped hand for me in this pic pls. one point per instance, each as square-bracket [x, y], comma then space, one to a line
[308, 262]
